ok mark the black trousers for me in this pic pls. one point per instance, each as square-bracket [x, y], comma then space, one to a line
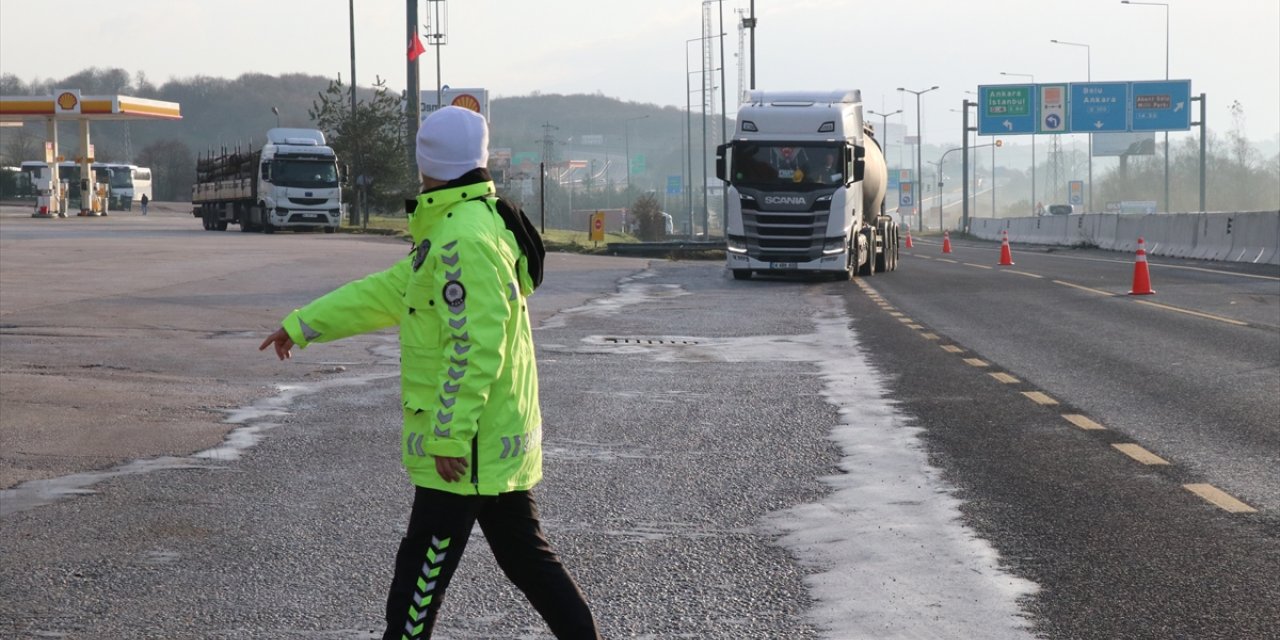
[439, 527]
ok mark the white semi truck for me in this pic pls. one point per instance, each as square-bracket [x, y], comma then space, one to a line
[804, 187]
[292, 182]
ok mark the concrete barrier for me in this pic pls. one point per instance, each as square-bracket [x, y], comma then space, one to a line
[1252, 236]
[1255, 237]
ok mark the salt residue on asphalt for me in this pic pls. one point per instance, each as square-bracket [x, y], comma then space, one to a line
[890, 555]
[893, 558]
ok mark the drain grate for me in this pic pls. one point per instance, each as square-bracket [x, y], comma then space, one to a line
[648, 341]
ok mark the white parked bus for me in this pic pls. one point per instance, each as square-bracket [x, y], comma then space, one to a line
[127, 182]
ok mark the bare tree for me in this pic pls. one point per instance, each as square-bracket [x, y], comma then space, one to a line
[173, 169]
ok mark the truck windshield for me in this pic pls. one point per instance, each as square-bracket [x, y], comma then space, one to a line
[787, 165]
[305, 173]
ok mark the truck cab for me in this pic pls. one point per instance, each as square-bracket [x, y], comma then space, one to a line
[804, 187]
[299, 183]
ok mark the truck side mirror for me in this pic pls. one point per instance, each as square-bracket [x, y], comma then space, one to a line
[722, 171]
[858, 156]
[345, 173]
[266, 171]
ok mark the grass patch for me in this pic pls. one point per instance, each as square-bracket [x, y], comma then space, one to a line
[554, 239]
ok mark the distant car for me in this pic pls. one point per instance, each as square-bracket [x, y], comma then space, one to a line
[1061, 209]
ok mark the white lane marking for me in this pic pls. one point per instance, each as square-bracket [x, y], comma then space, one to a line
[1189, 312]
[1162, 266]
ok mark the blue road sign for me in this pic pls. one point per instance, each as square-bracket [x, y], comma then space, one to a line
[906, 196]
[1098, 107]
[1163, 105]
[1006, 109]
[673, 185]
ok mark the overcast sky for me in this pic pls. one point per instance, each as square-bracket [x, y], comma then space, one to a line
[1229, 49]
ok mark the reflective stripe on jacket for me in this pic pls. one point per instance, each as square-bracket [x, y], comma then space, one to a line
[469, 381]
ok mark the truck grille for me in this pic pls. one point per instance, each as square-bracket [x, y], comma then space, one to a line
[777, 236]
[308, 202]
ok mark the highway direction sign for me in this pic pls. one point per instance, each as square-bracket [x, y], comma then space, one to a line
[1053, 108]
[1099, 107]
[1163, 105]
[1006, 109]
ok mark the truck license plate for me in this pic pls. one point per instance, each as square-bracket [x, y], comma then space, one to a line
[782, 265]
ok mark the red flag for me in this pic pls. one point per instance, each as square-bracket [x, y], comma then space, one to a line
[415, 47]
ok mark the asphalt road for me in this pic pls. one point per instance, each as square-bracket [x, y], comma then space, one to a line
[764, 459]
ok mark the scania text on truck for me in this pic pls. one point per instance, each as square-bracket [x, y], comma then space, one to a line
[292, 182]
[805, 185]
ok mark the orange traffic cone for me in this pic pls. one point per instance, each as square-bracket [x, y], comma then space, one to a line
[909, 245]
[1141, 276]
[1006, 255]
[946, 242]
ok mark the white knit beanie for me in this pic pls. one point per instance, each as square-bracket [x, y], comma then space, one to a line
[451, 142]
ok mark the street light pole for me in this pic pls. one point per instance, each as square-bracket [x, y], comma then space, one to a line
[1088, 59]
[1033, 144]
[688, 115]
[919, 146]
[884, 132]
[1166, 77]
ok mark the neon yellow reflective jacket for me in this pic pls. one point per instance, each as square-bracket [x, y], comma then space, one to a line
[469, 382]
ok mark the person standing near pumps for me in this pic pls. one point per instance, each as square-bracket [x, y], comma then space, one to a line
[472, 437]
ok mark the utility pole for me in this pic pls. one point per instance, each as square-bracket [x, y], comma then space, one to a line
[438, 25]
[413, 109]
[751, 24]
[351, 12]
[547, 142]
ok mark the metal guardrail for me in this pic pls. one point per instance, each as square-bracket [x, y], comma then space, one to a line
[664, 248]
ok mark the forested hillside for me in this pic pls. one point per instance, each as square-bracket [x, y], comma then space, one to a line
[220, 112]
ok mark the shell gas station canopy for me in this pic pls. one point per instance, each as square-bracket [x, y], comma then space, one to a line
[69, 105]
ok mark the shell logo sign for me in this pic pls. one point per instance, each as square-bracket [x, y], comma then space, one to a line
[68, 102]
[467, 101]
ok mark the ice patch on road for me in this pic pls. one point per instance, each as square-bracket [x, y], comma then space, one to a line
[632, 290]
[894, 558]
[36, 493]
[890, 555]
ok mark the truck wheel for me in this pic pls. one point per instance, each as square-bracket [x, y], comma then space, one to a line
[741, 274]
[220, 226]
[330, 229]
[867, 267]
[893, 246]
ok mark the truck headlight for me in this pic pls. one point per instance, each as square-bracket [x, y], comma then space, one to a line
[833, 245]
[736, 244]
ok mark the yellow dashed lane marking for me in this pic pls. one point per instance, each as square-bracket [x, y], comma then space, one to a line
[979, 266]
[1084, 288]
[975, 362]
[896, 314]
[1082, 422]
[952, 348]
[1039, 398]
[930, 336]
[1219, 498]
[1005, 378]
[1194, 313]
[905, 320]
[915, 326]
[1138, 453]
